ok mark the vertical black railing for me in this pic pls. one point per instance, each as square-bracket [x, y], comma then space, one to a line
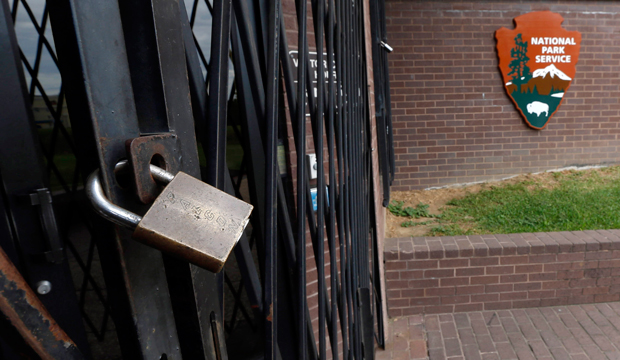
[383, 109]
[299, 114]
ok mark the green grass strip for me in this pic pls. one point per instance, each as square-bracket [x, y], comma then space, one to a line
[576, 201]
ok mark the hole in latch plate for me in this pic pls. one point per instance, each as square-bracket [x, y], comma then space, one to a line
[158, 161]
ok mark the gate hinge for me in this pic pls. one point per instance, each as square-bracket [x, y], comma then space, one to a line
[43, 198]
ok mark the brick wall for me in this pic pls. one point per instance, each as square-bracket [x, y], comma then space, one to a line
[491, 272]
[453, 121]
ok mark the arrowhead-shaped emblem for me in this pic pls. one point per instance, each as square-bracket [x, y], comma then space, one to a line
[537, 61]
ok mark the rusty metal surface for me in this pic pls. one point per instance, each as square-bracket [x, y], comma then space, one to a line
[194, 221]
[221, 352]
[140, 151]
[98, 83]
[30, 318]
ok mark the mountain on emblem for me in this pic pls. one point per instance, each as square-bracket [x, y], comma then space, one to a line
[537, 60]
[552, 71]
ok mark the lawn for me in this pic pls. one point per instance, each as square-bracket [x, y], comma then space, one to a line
[558, 201]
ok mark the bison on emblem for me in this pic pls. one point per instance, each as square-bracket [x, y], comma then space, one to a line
[538, 108]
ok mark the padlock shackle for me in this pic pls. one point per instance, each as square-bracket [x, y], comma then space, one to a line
[158, 174]
[107, 209]
[161, 175]
[112, 212]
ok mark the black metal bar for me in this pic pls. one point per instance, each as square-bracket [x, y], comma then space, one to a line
[320, 260]
[365, 185]
[344, 196]
[341, 181]
[353, 165]
[363, 147]
[192, 18]
[248, 39]
[209, 6]
[271, 232]
[253, 149]
[332, 177]
[362, 175]
[140, 28]
[243, 254]
[376, 280]
[37, 61]
[386, 91]
[343, 212]
[215, 140]
[380, 101]
[367, 325]
[197, 85]
[14, 10]
[300, 119]
[217, 333]
[262, 11]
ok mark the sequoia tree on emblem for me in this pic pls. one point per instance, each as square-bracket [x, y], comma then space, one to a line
[537, 61]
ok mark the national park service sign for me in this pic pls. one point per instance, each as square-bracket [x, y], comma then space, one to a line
[537, 60]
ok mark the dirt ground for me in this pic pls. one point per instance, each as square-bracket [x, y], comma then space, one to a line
[438, 198]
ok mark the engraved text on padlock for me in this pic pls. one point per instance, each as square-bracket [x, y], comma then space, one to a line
[195, 221]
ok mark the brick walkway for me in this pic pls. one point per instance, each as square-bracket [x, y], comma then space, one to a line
[562, 332]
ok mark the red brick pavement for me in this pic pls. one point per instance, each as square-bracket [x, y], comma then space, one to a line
[576, 332]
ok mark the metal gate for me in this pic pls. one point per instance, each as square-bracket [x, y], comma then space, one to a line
[189, 81]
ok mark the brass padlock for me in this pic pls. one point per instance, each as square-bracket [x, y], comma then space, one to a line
[190, 219]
